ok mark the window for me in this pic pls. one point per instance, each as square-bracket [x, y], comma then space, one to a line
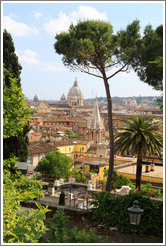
[29, 161]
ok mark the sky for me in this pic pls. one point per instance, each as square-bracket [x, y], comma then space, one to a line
[33, 26]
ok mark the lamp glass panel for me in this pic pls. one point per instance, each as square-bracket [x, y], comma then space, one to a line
[133, 218]
[138, 218]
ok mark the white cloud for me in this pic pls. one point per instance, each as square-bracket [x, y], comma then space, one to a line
[86, 12]
[38, 15]
[57, 25]
[63, 21]
[18, 28]
[53, 67]
[29, 57]
[14, 16]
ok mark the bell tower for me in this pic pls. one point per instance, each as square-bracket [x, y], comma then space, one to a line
[95, 126]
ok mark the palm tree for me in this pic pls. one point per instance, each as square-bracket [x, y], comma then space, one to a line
[140, 136]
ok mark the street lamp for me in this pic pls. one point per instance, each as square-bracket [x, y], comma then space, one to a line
[135, 213]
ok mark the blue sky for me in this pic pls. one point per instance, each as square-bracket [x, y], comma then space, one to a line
[33, 26]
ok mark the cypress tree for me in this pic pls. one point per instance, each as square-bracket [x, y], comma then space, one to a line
[10, 59]
[15, 145]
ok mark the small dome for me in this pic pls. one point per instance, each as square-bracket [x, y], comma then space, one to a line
[63, 96]
[75, 90]
[35, 99]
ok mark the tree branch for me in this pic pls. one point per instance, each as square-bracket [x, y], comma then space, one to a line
[125, 69]
[84, 71]
[112, 64]
[117, 72]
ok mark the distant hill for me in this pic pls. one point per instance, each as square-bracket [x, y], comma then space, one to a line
[151, 101]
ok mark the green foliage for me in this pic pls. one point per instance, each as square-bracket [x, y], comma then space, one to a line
[19, 225]
[140, 136]
[159, 87]
[85, 41]
[17, 145]
[10, 165]
[148, 61]
[146, 187]
[112, 211]
[81, 236]
[160, 102]
[57, 227]
[15, 110]
[158, 61]
[147, 190]
[55, 165]
[62, 198]
[58, 233]
[119, 180]
[128, 39]
[79, 176]
[10, 59]
[70, 134]
[16, 113]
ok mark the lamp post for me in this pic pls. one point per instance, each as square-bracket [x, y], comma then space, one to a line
[135, 213]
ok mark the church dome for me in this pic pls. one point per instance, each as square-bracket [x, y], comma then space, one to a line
[75, 90]
[35, 99]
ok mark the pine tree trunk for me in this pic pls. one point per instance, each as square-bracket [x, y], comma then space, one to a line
[111, 136]
[138, 173]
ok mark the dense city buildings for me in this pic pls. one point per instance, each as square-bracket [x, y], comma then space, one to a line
[79, 130]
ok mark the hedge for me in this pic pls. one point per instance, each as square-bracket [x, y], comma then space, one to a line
[112, 211]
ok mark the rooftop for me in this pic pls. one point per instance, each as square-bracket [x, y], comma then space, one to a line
[72, 141]
[158, 171]
[40, 147]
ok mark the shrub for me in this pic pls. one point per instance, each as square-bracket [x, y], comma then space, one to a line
[119, 180]
[79, 176]
[112, 211]
[147, 190]
[62, 198]
[55, 165]
[20, 225]
[58, 233]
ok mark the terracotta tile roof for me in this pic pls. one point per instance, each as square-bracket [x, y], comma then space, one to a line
[85, 106]
[40, 147]
[91, 159]
[71, 141]
[59, 105]
[36, 136]
[58, 119]
[82, 124]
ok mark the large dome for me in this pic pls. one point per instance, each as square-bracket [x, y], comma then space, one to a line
[75, 90]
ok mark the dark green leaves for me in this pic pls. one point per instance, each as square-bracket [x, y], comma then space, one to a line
[140, 136]
[55, 165]
[89, 42]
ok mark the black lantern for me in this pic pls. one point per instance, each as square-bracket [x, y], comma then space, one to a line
[135, 213]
